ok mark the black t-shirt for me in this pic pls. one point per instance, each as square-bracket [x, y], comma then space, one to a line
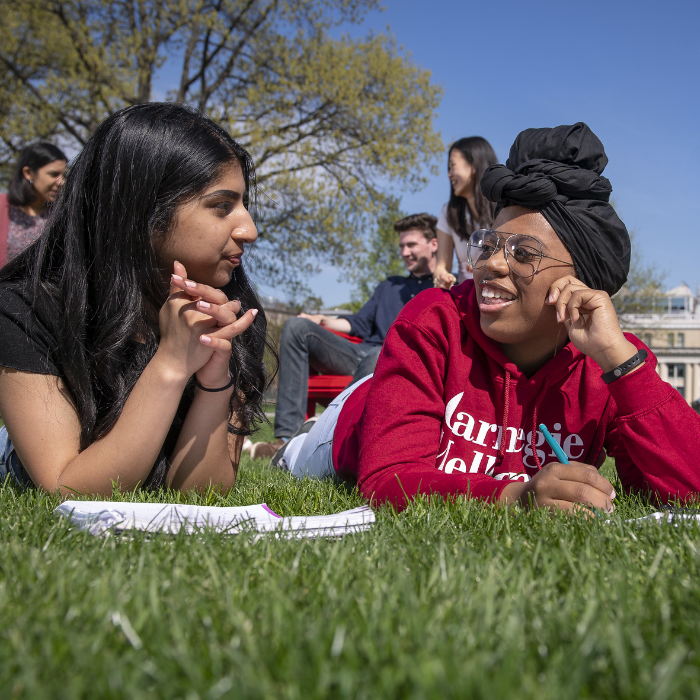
[29, 329]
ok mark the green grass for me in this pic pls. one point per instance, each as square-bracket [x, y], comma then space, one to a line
[444, 600]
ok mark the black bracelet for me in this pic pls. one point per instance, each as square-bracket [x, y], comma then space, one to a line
[223, 388]
[626, 367]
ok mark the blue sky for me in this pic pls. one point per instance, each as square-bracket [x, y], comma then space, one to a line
[628, 69]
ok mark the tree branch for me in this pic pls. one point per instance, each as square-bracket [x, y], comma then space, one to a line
[59, 115]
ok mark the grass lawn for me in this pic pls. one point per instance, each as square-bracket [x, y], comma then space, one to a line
[444, 600]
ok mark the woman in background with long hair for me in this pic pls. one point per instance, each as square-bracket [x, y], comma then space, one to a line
[34, 185]
[466, 210]
[132, 339]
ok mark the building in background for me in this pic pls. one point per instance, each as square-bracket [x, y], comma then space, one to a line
[671, 328]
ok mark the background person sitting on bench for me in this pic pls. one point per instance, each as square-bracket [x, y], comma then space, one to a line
[305, 339]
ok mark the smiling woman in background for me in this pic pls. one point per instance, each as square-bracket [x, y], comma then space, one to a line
[466, 210]
[132, 341]
[36, 180]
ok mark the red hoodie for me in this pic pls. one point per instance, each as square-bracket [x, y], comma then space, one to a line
[444, 394]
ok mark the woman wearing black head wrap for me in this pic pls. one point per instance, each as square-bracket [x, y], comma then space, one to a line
[467, 377]
[559, 172]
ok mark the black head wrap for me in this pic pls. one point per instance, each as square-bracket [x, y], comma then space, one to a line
[558, 171]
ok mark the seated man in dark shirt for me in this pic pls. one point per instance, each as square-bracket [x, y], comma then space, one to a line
[305, 339]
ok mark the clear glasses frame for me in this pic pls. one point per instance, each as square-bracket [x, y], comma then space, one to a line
[476, 260]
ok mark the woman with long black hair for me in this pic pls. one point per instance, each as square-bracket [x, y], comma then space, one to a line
[132, 339]
[34, 185]
[466, 210]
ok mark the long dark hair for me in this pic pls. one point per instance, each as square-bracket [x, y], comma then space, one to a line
[478, 152]
[96, 260]
[20, 192]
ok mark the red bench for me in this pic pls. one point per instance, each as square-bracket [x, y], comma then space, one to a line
[323, 388]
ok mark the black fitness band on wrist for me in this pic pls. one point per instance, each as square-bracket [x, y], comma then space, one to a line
[223, 388]
[626, 367]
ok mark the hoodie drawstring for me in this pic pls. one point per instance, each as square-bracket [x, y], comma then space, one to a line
[533, 434]
[504, 420]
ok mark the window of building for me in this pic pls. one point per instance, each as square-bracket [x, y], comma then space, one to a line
[678, 305]
[646, 338]
[680, 340]
[676, 377]
[670, 340]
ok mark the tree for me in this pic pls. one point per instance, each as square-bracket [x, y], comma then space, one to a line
[330, 122]
[644, 287]
[377, 258]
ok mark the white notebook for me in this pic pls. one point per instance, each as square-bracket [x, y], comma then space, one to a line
[666, 517]
[99, 517]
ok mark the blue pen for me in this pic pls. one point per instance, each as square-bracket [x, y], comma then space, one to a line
[553, 444]
[561, 456]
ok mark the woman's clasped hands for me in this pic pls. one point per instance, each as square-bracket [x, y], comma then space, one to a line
[197, 323]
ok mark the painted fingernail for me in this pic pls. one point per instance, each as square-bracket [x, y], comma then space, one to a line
[205, 339]
[558, 318]
[190, 283]
[550, 298]
[203, 304]
[254, 312]
[177, 278]
[613, 494]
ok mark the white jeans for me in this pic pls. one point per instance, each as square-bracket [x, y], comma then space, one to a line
[311, 454]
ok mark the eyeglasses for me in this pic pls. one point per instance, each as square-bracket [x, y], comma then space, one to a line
[523, 253]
